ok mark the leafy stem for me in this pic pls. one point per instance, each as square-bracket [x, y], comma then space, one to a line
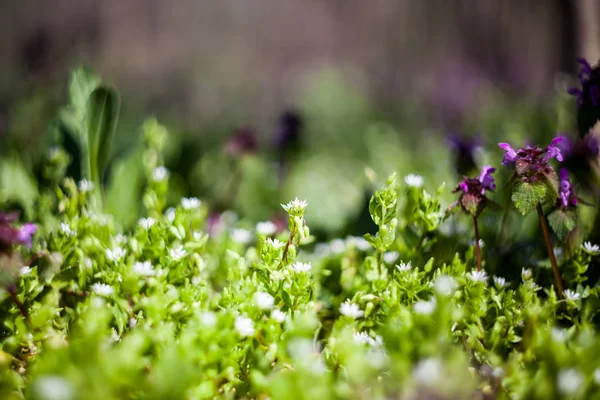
[477, 246]
[546, 232]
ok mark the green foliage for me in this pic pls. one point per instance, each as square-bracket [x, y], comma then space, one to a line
[526, 196]
[562, 222]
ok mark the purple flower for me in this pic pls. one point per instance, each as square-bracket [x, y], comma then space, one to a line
[243, 141]
[472, 197]
[11, 235]
[589, 79]
[566, 194]
[510, 155]
[464, 149]
[531, 162]
[486, 179]
[554, 151]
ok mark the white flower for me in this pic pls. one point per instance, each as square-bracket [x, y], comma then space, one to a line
[266, 228]
[477, 276]
[274, 243]
[52, 387]
[264, 300]
[147, 223]
[301, 267]
[85, 186]
[144, 268]
[559, 334]
[278, 315]
[208, 318]
[119, 239]
[569, 381]
[351, 310]
[500, 281]
[359, 242]
[102, 289]
[592, 249]
[190, 203]
[240, 235]
[444, 285]
[597, 376]
[413, 180]
[25, 270]
[424, 307]
[66, 229]
[404, 267]
[177, 253]
[160, 174]
[88, 263]
[534, 286]
[362, 338]
[571, 295]
[428, 372]
[116, 254]
[525, 274]
[170, 214]
[337, 246]
[244, 326]
[295, 206]
[390, 256]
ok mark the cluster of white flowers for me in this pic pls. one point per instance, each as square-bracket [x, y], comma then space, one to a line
[177, 253]
[274, 243]
[569, 381]
[278, 315]
[116, 254]
[190, 203]
[351, 310]
[266, 228]
[413, 180]
[244, 326]
[66, 229]
[592, 249]
[477, 276]
[147, 223]
[444, 285]
[404, 267]
[500, 282]
[160, 174]
[359, 242]
[263, 300]
[240, 235]
[102, 289]
[295, 206]
[301, 267]
[390, 257]
[425, 307]
[119, 239]
[428, 372]
[364, 338]
[571, 295]
[85, 186]
[144, 268]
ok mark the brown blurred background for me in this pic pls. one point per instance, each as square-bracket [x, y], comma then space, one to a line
[198, 60]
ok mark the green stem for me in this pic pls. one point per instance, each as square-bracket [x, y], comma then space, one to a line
[557, 278]
[477, 247]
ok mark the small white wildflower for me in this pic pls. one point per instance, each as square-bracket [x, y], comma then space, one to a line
[190, 203]
[244, 326]
[116, 254]
[66, 229]
[571, 295]
[362, 338]
[390, 256]
[526, 274]
[424, 307]
[85, 186]
[296, 206]
[559, 334]
[88, 263]
[413, 180]
[115, 337]
[500, 281]
[274, 243]
[147, 223]
[132, 322]
[534, 286]
[197, 235]
[208, 318]
[264, 300]
[102, 289]
[569, 381]
[351, 310]
[278, 315]
[144, 268]
[119, 239]
[404, 267]
[25, 270]
[240, 235]
[301, 267]
[597, 376]
[428, 372]
[160, 174]
[266, 228]
[52, 387]
[279, 275]
[177, 253]
[477, 276]
[359, 242]
[444, 285]
[592, 249]
[170, 214]
[337, 246]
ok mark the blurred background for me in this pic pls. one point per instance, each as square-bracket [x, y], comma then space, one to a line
[268, 100]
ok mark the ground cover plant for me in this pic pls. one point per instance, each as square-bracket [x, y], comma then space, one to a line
[117, 285]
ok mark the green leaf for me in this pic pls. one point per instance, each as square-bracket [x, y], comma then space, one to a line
[562, 222]
[125, 188]
[102, 116]
[551, 181]
[527, 195]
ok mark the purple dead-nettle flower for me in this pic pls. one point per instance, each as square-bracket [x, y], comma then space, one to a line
[566, 194]
[11, 235]
[589, 79]
[531, 162]
[472, 190]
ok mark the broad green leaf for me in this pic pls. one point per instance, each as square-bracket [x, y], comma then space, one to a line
[527, 195]
[562, 222]
[125, 188]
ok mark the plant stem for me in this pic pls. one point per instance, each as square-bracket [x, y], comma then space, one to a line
[477, 247]
[12, 290]
[557, 278]
[287, 245]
